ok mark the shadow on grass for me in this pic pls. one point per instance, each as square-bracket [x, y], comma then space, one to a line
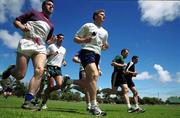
[66, 110]
[10, 107]
[115, 110]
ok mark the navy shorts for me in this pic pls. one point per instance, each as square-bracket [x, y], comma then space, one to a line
[87, 57]
[118, 79]
[130, 82]
[54, 71]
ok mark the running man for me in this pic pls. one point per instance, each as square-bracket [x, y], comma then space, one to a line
[93, 39]
[82, 75]
[130, 73]
[55, 60]
[38, 30]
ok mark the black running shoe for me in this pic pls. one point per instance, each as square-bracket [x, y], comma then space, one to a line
[30, 106]
[7, 73]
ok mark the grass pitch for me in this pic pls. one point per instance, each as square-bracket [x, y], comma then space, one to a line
[11, 108]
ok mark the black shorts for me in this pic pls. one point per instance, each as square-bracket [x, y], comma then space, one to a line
[118, 79]
[87, 57]
[8, 90]
[54, 71]
[130, 82]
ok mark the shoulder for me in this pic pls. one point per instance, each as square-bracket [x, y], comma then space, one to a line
[117, 57]
[32, 12]
[104, 31]
[62, 48]
[51, 45]
[89, 25]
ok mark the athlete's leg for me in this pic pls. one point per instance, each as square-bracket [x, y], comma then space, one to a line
[18, 71]
[38, 63]
[135, 95]
[125, 94]
[92, 75]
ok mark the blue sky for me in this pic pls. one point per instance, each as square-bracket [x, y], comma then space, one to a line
[148, 29]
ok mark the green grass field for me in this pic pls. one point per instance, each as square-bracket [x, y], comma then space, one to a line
[11, 108]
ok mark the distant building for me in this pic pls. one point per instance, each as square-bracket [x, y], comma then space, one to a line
[173, 100]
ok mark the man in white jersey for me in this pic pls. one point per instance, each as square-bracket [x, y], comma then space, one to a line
[38, 30]
[93, 38]
[55, 60]
[82, 75]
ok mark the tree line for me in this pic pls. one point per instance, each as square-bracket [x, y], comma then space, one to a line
[19, 90]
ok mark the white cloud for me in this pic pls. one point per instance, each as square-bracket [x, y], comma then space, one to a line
[164, 75]
[10, 8]
[10, 40]
[157, 12]
[178, 77]
[36, 4]
[143, 76]
[7, 55]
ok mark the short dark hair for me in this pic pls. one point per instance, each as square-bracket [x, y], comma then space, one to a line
[97, 12]
[123, 50]
[59, 34]
[134, 57]
[44, 2]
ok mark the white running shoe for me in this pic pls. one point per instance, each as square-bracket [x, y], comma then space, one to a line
[44, 107]
[97, 111]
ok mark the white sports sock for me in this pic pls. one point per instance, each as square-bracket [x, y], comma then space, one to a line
[136, 105]
[129, 106]
[88, 105]
[93, 103]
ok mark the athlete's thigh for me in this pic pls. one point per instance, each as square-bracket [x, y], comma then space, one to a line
[114, 89]
[133, 89]
[124, 87]
[50, 81]
[91, 69]
[58, 80]
[39, 60]
[21, 63]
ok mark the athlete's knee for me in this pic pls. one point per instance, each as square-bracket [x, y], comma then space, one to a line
[135, 93]
[58, 86]
[125, 90]
[51, 86]
[95, 76]
[20, 75]
[39, 71]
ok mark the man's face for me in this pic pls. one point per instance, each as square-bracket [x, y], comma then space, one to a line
[136, 60]
[125, 53]
[60, 38]
[49, 7]
[100, 17]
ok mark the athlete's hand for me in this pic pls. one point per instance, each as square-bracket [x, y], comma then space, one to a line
[134, 74]
[25, 28]
[87, 39]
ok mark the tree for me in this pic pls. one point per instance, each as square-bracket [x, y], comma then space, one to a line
[19, 88]
[76, 96]
[54, 95]
[67, 96]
